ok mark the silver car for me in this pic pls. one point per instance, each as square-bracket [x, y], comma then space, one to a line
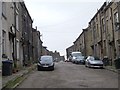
[79, 60]
[93, 62]
[45, 63]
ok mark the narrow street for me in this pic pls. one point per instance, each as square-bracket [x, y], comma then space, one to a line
[69, 75]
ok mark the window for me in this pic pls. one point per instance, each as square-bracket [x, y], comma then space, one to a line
[17, 22]
[12, 5]
[97, 32]
[116, 21]
[118, 48]
[107, 25]
[17, 6]
[103, 25]
[3, 42]
[104, 47]
[91, 58]
[96, 18]
[4, 9]
[96, 58]
[116, 17]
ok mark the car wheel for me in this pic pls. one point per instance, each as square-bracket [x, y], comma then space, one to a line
[53, 68]
[38, 68]
[102, 67]
[86, 64]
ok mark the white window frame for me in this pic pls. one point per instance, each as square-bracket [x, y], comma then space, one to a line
[103, 24]
[17, 20]
[3, 42]
[4, 8]
[18, 46]
[116, 20]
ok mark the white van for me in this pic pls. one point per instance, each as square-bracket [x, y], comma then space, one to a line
[77, 57]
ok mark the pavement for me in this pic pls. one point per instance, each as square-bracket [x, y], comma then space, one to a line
[15, 79]
[111, 68]
[18, 77]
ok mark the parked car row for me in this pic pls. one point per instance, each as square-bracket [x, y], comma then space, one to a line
[90, 61]
[46, 62]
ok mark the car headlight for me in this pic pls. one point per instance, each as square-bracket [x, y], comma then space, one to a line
[51, 64]
[101, 62]
[74, 57]
[39, 64]
[92, 62]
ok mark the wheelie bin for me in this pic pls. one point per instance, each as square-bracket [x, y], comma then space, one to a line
[7, 68]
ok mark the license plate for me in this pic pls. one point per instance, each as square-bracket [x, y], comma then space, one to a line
[45, 66]
[96, 66]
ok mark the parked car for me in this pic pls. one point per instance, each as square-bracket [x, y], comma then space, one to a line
[66, 60]
[45, 63]
[92, 61]
[81, 60]
[70, 58]
[74, 56]
[77, 58]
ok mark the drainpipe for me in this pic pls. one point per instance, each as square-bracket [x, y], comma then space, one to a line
[84, 35]
[113, 33]
[0, 34]
[94, 39]
[119, 25]
[15, 43]
[119, 43]
[101, 37]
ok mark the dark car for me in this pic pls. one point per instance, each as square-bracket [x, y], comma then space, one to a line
[45, 63]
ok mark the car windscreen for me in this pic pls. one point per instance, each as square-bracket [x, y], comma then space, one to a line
[76, 54]
[91, 58]
[46, 59]
[96, 58]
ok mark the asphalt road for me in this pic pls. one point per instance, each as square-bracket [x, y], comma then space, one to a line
[68, 75]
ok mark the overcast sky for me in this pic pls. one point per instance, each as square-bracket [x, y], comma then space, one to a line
[61, 21]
